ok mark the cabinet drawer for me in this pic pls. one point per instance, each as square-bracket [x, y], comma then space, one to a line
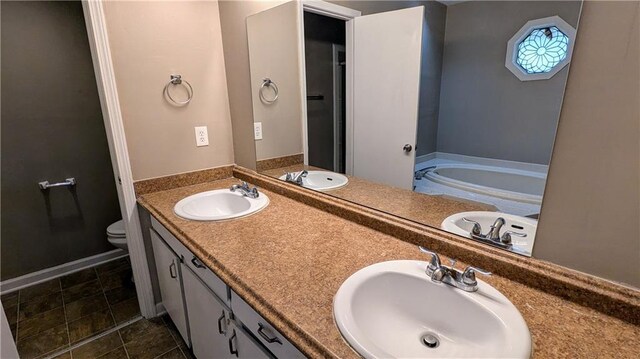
[205, 274]
[262, 330]
[243, 345]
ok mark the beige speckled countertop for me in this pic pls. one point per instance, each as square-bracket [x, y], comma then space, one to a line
[419, 207]
[289, 260]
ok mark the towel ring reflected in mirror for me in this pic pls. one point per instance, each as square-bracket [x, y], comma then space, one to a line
[177, 80]
[268, 83]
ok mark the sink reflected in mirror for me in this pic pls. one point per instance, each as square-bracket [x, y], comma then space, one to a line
[394, 310]
[218, 205]
[521, 230]
[322, 180]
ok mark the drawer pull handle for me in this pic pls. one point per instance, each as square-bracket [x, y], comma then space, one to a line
[232, 348]
[266, 337]
[196, 262]
[172, 268]
[220, 321]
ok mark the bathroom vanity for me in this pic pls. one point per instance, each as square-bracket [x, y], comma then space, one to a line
[264, 285]
[207, 313]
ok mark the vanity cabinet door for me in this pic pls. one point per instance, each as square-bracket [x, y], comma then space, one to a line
[168, 268]
[209, 319]
[242, 345]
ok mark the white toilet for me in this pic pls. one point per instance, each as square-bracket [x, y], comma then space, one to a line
[116, 235]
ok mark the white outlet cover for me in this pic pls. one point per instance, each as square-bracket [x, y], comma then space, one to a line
[257, 130]
[202, 136]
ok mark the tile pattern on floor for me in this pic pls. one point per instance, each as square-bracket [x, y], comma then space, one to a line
[52, 316]
[144, 339]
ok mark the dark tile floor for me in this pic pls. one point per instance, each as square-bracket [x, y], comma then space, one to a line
[55, 315]
[156, 338]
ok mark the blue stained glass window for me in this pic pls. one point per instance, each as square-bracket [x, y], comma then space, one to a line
[542, 50]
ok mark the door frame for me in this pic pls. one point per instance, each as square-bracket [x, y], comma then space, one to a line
[335, 50]
[343, 13]
[112, 116]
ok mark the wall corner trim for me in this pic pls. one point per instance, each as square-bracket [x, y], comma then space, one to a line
[107, 89]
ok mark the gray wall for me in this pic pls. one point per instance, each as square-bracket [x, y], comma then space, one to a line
[484, 109]
[430, 77]
[51, 129]
[590, 218]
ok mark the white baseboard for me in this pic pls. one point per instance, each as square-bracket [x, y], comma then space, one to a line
[14, 284]
[425, 158]
[160, 310]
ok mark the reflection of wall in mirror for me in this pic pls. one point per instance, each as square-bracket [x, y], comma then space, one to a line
[233, 17]
[274, 53]
[485, 111]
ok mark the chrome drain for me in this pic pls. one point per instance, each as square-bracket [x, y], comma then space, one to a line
[430, 340]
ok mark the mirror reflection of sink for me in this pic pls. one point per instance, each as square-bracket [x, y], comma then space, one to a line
[394, 310]
[323, 180]
[518, 224]
[219, 205]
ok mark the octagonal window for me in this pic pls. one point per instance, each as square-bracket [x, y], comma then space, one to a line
[542, 50]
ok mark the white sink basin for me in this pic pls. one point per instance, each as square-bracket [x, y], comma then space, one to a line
[322, 180]
[219, 205]
[385, 310]
[527, 226]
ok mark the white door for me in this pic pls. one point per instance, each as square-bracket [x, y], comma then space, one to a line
[168, 267]
[386, 78]
[208, 319]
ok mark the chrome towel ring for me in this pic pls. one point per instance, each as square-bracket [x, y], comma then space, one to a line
[177, 80]
[268, 83]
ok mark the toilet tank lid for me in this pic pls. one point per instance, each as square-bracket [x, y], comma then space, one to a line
[116, 228]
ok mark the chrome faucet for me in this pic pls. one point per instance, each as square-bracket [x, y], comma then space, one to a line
[493, 236]
[296, 177]
[439, 273]
[494, 231]
[245, 190]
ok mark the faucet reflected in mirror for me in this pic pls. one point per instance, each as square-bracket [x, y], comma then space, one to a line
[430, 125]
[296, 177]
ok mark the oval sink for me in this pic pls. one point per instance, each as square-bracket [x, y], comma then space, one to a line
[527, 226]
[322, 180]
[219, 205]
[394, 310]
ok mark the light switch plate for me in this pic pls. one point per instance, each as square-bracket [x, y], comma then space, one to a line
[257, 130]
[202, 137]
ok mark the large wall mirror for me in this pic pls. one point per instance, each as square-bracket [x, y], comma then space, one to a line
[443, 113]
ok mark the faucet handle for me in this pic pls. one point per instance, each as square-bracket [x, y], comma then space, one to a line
[435, 259]
[469, 275]
[506, 236]
[242, 184]
[477, 228]
[254, 192]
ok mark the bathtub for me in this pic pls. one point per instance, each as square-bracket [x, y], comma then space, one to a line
[501, 182]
